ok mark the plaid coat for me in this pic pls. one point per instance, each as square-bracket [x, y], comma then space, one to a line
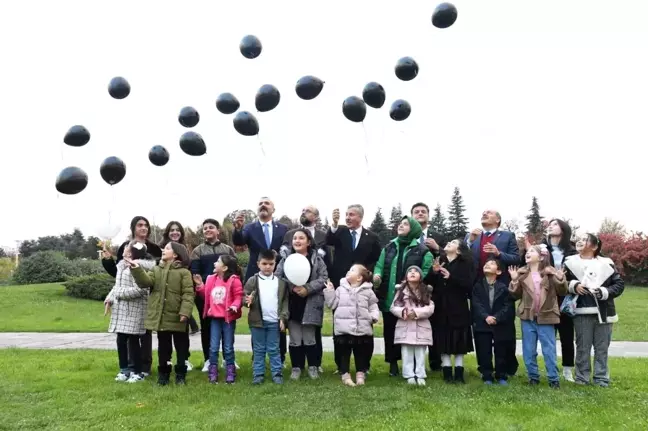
[129, 302]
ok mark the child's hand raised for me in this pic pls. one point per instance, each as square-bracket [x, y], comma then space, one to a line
[197, 279]
[130, 263]
[513, 272]
[329, 285]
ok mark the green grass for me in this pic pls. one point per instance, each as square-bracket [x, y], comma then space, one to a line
[46, 308]
[72, 390]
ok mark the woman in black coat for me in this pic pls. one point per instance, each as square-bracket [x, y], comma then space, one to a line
[452, 321]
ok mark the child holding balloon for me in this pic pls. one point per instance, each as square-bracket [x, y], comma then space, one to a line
[355, 308]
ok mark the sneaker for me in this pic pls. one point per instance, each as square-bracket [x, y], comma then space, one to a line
[534, 382]
[206, 366]
[502, 382]
[258, 380]
[134, 378]
[411, 381]
[295, 374]
[602, 384]
[320, 369]
[277, 380]
[313, 373]
[122, 377]
[346, 380]
[488, 382]
[336, 372]
[231, 374]
[189, 366]
[145, 374]
[420, 382]
[360, 378]
[554, 385]
[213, 374]
[568, 374]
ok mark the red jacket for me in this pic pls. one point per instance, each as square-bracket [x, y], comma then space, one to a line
[220, 295]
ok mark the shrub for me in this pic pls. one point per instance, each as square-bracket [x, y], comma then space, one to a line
[80, 267]
[630, 255]
[95, 286]
[41, 267]
[243, 258]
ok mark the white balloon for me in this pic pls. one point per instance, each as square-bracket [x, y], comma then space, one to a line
[297, 269]
[108, 231]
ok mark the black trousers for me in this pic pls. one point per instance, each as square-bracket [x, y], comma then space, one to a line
[299, 354]
[434, 356]
[146, 349]
[205, 327]
[129, 344]
[166, 341]
[392, 352]
[362, 353]
[485, 344]
[566, 330]
[318, 344]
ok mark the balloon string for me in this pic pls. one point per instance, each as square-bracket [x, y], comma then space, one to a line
[261, 145]
[366, 150]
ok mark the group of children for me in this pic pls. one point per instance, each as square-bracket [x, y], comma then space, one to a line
[168, 307]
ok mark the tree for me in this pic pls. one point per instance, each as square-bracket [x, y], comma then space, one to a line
[379, 227]
[457, 221]
[249, 215]
[512, 225]
[326, 224]
[534, 224]
[292, 224]
[3, 253]
[395, 219]
[574, 227]
[438, 222]
[612, 227]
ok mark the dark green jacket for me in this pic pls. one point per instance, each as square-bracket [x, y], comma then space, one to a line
[255, 315]
[172, 296]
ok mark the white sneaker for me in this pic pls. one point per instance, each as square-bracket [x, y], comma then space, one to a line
[313, 373]
[145, 374]
[236, 365]
[321, 370]
[122, 377]
[421, 382]
[189, 366]
[411, 381]
[134, 378]
[206, 366]
[295, 374]
[568, 374]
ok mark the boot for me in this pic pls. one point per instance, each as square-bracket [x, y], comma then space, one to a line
[393, 369]
[181, 379]
[459, 375]
[360, 378]
[163, 379]
[447, 374]
[213, 374]
[346, 379]
[231, 374]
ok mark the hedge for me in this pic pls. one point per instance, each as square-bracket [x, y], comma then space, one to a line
[96, 286]
[53, 267]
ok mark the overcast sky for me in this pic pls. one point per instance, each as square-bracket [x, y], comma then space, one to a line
[518, 98]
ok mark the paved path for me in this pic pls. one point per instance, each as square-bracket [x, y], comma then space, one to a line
[105, 341]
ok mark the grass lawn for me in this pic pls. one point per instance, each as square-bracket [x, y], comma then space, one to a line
[75, 390]
[46, 308]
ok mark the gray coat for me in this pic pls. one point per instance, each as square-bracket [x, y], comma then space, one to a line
[314, 310]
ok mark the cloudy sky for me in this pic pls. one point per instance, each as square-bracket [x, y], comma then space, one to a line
[518, 98]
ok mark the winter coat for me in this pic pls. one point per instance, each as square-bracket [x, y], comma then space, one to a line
[597, 272]
[355, 308]
[128, 301]
[255, 315]
[450, 296]
[503, 310]
[172, 296]
[412, 332]
[314, 310]
[219, 295]
[550, 287]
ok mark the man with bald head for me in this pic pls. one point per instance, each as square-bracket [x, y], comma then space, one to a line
[491, 242]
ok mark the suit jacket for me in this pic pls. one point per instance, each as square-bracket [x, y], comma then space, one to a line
[440, 239]
[367, 251]
[252, 236]
[509, 253]
[503, 310]
[320, 244]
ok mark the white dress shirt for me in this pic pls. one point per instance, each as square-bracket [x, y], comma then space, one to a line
[358, 233]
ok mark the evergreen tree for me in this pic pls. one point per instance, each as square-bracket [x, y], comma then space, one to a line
[395, 219]
[438, 222]
[379, 227]
[326, 224]
[534, 220]
[457, 221]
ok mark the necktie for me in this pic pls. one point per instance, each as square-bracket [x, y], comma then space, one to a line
[266, 234]
[422, 239]
[353, 239]
[488, 234]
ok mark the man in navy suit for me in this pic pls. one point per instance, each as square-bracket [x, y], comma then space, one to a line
[491, 242]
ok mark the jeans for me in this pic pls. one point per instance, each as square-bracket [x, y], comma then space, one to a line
[413, 361]
[221, 330]
[266, 341]
[532, 332]
[590, 333]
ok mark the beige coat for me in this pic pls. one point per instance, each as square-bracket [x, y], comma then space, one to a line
[356, 308]
[550, 289]
[412, 332]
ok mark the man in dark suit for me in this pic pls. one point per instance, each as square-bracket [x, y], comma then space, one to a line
[308, 220]
[491, 242]
[435, 242]
[352, 244]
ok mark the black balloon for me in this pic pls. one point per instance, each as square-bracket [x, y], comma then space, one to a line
[406, 69]
[400, 110]
[112, 170]
[71, 180]
[309, 87]
[188, 117]
[354, 109]
[192, 144]
[246, 124]
[444, 15]
[227, 103]
[119, 88]
[250, 47]
[267, 98]
[374, 95]
[158, 155]
[77, 136]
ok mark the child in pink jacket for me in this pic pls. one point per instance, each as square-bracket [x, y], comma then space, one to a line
[223, 295]
[413, 306]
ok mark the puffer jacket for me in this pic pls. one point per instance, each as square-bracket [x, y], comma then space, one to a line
[412, 332]
[356, 308]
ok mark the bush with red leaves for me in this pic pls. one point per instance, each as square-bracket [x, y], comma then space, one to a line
[630, 255]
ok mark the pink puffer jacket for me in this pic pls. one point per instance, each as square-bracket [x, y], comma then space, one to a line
[356, 308]
[412, 332]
